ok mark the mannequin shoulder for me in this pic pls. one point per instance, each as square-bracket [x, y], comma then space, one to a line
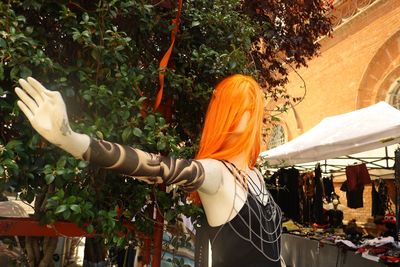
[213, 171]
[257, 171]
[212, 167]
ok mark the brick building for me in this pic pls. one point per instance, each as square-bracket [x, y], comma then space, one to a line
[358, 66]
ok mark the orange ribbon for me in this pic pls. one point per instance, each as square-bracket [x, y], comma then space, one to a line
[165, 59]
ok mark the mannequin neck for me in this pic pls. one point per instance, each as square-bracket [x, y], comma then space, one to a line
[240, 161]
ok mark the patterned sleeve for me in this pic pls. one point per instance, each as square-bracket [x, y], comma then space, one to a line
[189, 174]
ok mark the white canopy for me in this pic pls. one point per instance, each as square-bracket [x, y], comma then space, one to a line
[361, 130]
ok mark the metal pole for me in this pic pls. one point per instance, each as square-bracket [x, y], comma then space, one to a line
[397, 183]
[387, 157]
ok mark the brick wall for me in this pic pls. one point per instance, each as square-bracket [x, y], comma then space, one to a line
[332, 82]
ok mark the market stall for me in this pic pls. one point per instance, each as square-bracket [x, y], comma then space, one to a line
[338, 137]
[365, 129]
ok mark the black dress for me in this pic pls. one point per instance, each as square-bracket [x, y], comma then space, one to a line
[236, 244]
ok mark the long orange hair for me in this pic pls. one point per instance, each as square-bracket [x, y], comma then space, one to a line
[232, 97]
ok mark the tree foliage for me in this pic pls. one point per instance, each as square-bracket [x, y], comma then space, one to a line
[291, 29]
[103, 56]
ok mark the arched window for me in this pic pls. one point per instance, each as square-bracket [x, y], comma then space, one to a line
[277, 137]
[393, 94]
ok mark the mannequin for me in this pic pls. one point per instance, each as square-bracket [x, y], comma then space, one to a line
[335, 213]
[231, 190]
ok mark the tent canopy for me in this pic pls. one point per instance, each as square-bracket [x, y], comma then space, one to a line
[361, 130]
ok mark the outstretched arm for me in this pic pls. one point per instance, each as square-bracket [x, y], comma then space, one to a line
[47, 113]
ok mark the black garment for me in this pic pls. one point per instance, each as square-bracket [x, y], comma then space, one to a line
[308, 190]
[287, 196]
[318, 205]
[383, 194]
[328, 187]
[231, 250]
[378, 205]
[354, 198]
[308, 217]
[201, 246]
[335, 218]
[302, 201]
[352, 232]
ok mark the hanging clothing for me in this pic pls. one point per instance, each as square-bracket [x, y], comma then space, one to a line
[378, 205]
[357, 175]
[318, 205]
[327, 182]
[287, 195]
[384, 195]
[302, 200]
[309, 193]
[309, 185]
[355, 197]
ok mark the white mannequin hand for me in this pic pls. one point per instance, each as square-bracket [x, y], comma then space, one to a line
[47, 114]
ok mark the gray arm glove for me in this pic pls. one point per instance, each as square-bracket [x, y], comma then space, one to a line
[189, 174]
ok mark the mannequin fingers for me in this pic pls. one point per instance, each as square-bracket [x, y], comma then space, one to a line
[31, 91]
[37, 85]
[43, 91]
[28, 113]
[26, 99]
[54, 96]
[40, 88]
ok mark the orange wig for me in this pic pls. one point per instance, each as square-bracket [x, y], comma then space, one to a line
[232, 97]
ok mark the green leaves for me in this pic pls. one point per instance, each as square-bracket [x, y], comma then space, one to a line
[49, 178]
[61, 162]
[90, 228]
[75, 208]
[195, 23]
[67, 210]
[3, 44]
[13, 144]
[137, 132]
[61, 209]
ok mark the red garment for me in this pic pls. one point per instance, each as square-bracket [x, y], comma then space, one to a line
[357, 175]
[379, 250]
[389, 259]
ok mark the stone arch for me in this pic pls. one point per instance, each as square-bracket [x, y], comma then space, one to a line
[387, 83]
[380, 72]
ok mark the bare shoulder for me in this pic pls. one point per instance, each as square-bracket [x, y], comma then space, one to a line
[257, 171]
[213, 175]
[210, 163]
[212, 167]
